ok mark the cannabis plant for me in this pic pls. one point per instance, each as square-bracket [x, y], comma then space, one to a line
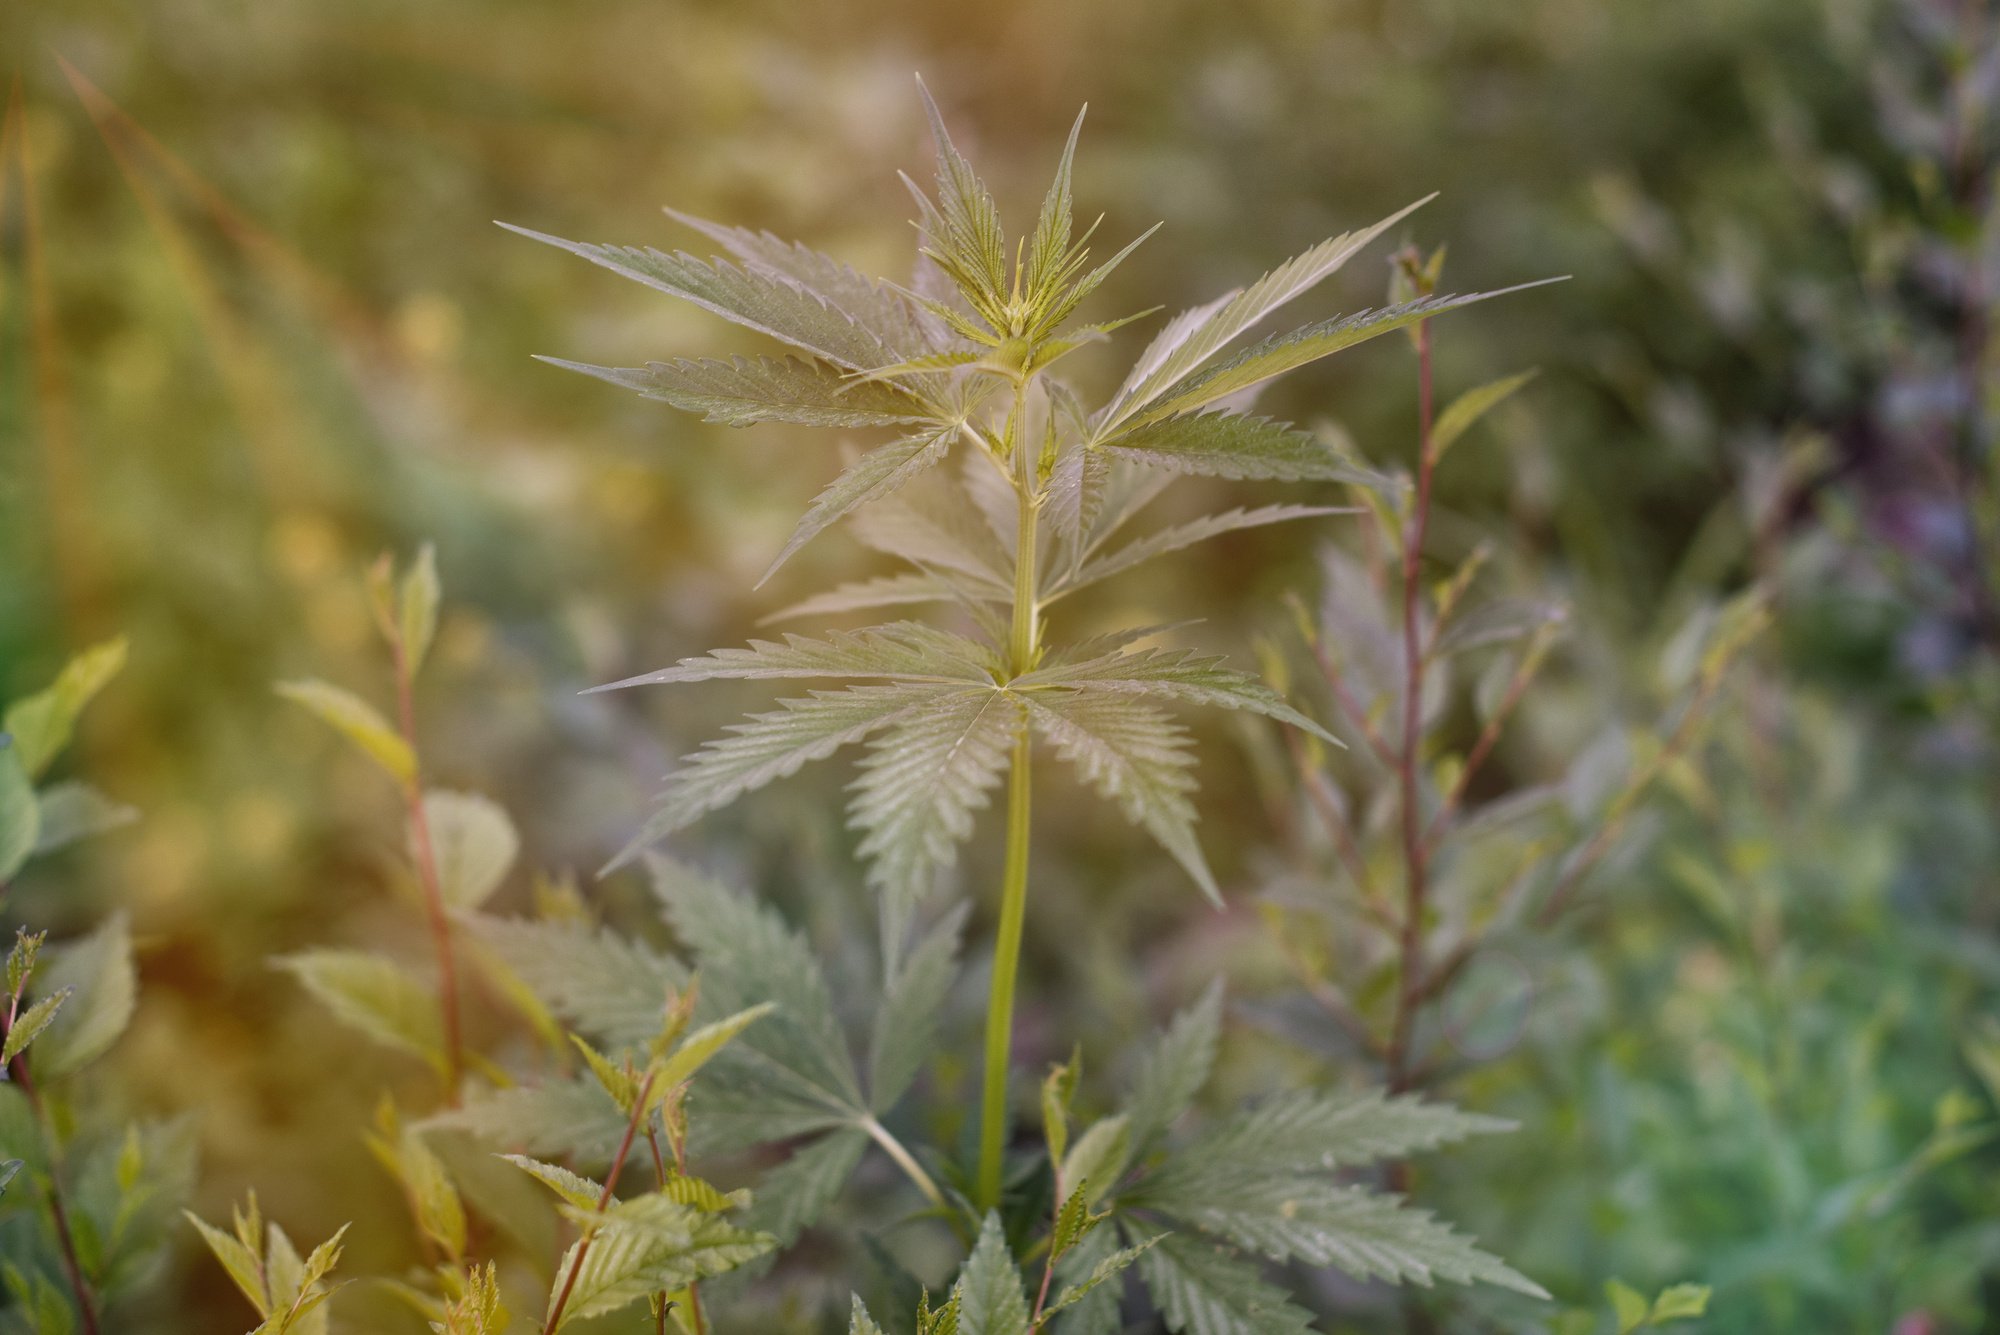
[962, 361]
[86, 1198]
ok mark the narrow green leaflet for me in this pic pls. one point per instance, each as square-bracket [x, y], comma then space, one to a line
[945, 535]
[881, 472]
[41, 724]
[30, 1023]
[1141, 550]
[701, 1046]
[746, 390]
[601, 982]
[901, 651]
[1286, 352]
[922, 782]
[555, 1119]
[375, 995]
[745, 954]
[98, 970]
[963, 228]
[913, 998]
[1466, 410]
[769, 305]
[1222, 444]
[770, 746]
[1178, 674]
[904, 590]
[1051, 263]
[578, 1190]
[990, 1301]
[792, 1197]
[1204, 337]
[1304, 1132]
[879, 309]
[1174, 1069]
[1103, 1272]
[1087, 1308]
[1134, 754]
[1369, 1236]
[1204, 1288]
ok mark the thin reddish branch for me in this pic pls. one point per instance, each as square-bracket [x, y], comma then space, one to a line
[425, 855]
[17, 1071]
[1409, 758]
[639, 1103]
[1482, 749]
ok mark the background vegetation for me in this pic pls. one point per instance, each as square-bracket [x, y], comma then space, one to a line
[256, 326]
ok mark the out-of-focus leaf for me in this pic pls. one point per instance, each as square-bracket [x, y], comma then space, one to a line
[474, 842]
[20, 813]
[375, 995]
[74, 811]
[356, 720]
[99, 970]
[42, 723]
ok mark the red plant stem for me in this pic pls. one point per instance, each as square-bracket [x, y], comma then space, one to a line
[1042, 1294]
[639, 1102]
[17, 1070]
[427, 872]
[1409, 759]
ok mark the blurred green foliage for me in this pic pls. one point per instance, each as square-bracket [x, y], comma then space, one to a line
[255, 326]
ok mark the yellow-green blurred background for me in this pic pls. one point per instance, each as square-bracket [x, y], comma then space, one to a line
[256, 326]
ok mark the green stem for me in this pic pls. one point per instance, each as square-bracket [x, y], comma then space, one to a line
[1022, 646]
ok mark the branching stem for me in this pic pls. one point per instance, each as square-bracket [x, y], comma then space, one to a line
[1409, 759]
[639, 1103]
[424, 852]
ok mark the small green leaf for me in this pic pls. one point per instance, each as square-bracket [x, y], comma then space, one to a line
[1104, 1271]
[239, 1262]
[990, 1300]
[578, 1190]
[417, 608]
[619, 1083]
[474, 843]
[42, 723]
[98, 969]
[356, 720]
[1099, 1157]
[1469, 407]
[374, 995]
[698, 1048]
[30, 1023]
[881, 472]
[1627, 1304]
[860, 1323]
[1680, 1302]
